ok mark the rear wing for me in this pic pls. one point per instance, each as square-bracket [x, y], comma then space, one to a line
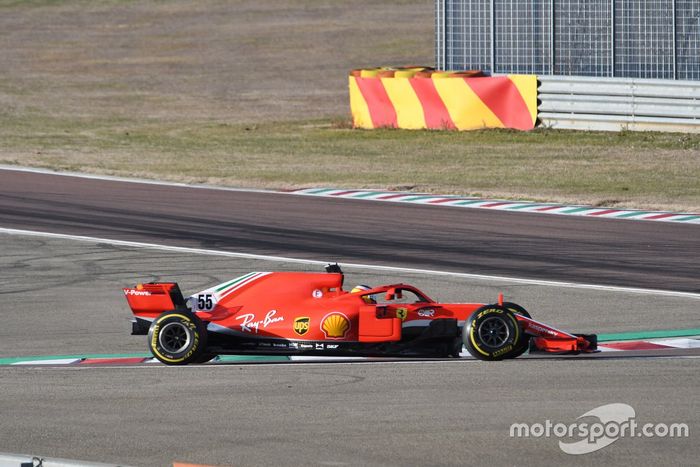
[147, 301]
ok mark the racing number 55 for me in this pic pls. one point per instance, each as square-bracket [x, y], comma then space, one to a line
[205, 302]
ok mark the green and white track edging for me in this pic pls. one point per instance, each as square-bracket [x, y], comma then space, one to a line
[628, 341]
[147, 359]
[502, 205]
[413, 198]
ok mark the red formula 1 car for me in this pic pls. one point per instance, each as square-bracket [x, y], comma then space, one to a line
[293, 313]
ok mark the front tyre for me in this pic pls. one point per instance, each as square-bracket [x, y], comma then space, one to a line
[492, 333]
[177, 338]
[523, 343]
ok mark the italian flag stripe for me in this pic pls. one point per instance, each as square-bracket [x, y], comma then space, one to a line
[246, 281]
[234, 281]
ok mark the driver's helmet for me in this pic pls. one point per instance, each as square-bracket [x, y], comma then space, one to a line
[362, 288]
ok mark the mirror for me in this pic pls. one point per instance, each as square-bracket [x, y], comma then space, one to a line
[393, 294]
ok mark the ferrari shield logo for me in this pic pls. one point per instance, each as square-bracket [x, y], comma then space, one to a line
[401, 313]
[301, 325]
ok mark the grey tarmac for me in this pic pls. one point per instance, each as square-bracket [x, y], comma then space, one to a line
[594, 251]
[432, 413]
[63, 297]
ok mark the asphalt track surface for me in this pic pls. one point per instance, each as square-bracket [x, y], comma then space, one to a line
[62, 297]
[601, 251]
[430, 413]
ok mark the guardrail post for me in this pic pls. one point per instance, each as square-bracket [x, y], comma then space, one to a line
[551, 36]
[493, 36]
[675, 42]
[612, 38]
[440, 33]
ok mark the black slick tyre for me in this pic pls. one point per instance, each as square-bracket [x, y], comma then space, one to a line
[524, 340]
[177, 338]
[492, 333]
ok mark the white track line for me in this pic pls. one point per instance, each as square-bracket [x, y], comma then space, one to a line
[259, 365]
[239, 364]
[110, 178]
[426, 202]
[200, 251]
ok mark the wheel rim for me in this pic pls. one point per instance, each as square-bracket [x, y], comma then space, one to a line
[494, 332]
[174, 337]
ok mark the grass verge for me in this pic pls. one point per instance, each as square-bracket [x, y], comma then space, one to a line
[628, 169]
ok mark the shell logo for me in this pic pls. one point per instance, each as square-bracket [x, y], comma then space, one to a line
[335, 326]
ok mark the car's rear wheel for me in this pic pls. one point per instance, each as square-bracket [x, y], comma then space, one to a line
[492, 333]
[177, 338]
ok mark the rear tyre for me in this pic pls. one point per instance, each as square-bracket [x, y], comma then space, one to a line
[177, 338]
[492, 333]
[524, 341]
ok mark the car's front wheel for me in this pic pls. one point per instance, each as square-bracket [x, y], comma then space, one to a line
[177, 338]
[523, 343]
[492, 333]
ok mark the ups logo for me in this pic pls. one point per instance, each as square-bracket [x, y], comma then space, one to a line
[301, 325]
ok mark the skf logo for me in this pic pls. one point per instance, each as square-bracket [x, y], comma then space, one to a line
[335, 326]
[401, 313]
[301, 325]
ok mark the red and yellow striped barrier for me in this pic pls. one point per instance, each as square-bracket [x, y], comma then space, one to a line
[419, 98]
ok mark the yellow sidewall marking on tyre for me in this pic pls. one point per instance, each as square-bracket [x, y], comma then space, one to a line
[476, 346]
[472, 331]
[176, 360]
[174, 316]
[516, 328]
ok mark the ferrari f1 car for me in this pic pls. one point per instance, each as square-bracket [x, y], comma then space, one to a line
[292, 313]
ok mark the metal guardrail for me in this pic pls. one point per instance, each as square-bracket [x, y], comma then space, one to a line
[582, 103]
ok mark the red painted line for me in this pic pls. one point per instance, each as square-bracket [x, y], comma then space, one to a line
[343, 193]
[435, 111]
[635, 345]
[607, 211]
[392, 196]
[493, 205]
[381, 109]
[113, 361]
[183, 464]
[441, 200]
[423, 198]
[660, 216]
[503, 98]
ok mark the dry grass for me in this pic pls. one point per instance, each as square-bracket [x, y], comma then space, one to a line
[254, 93]
[651, 171]
[190, 61]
